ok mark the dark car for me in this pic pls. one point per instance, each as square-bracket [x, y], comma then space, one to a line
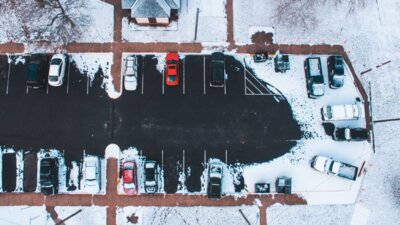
[151, 173]
[350, 134]
[315, 79]
[49, 176]
[215, 173]
[217, 70]
[37, 71]
[336, 71]
[260, 57]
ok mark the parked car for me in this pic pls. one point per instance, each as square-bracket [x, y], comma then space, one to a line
[49, 176]
[151, 173]
[37, 71]
[350, 134]
[315, 79]
[172, 70]
[215, 172]
[282, 63]
[57, 70]
[336, 71]
[329, 166]
[129, 177]
[130, 73]
[260, 57]
[91, 174]
[217, 70]
[341, 112]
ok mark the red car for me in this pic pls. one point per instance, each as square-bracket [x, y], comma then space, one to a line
[129, 177]
[172, 70]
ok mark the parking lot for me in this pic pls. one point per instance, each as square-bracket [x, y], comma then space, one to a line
[180, 127]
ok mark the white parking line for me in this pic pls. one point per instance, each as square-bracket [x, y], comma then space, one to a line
[226, 156]
[204, 74]
[224, 85]
[143, 75]
[8, 77]
[183, 163]
[162, 158]
[27, 89]
[205, 158]
[69, 69]
[87, 86]
[244, 80]
[184, 63]
[247, 80]
[162, 82]
[248, 89]
[47, 88]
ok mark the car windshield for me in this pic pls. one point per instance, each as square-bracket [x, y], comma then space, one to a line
[53, 78]
[56, 62]
[172, 77]
[172, 62]
[328, 112]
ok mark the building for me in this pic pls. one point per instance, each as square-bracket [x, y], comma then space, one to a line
[152, 12]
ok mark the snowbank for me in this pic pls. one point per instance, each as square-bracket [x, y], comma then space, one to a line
[93, 215]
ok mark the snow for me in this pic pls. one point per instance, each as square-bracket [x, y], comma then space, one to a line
[93, 215]
[360, 215]
[24, 215]
[74, 175]
[20, 171]
[211, 25]
[160, 62]
[102, 28]
[112, 151]
[305, 214]
[188, 215]
[90, 63]
[322, 188]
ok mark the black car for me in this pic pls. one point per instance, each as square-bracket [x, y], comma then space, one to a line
[217, 70]
[215, 173]
[315, 78]
[49, 176]
[260, 57]
[350, 134]
[37, 71]
[151, 173]
[336, 71]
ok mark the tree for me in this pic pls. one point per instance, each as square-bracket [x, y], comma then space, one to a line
[56, 21]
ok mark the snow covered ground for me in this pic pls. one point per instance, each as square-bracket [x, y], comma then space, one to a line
[211, 25]
[101, 29]
[93, 215]
[24, 215]
[188, 215]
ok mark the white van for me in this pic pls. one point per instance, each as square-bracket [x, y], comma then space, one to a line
[342, 112]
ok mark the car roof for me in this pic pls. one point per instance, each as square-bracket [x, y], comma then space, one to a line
[54, 70]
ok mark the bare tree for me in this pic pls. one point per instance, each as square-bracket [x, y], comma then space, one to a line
[295, 13]
[56, 21]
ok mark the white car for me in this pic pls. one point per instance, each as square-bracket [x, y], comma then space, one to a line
[130, 73]
[57, 70]
[91, 174]
[342, 112]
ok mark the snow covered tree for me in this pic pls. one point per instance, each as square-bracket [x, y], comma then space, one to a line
[56, 21]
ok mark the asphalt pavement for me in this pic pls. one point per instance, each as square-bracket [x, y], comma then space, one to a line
[181, 127]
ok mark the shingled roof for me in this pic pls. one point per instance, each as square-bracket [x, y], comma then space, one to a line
[149, 8]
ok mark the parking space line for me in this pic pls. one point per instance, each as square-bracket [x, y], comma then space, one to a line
[142, 75]
[247, 80]
[87, 86]
[69, 69]
[8, 77]
[162, 82]
[205, 158]
[244, 80]
[204, 74]
[224, 85]
[47, 89]
[184, 63]
[183, 162]
[259, 82]
[248, 89]
[27, 89]
[226, 156]
[162, 158]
